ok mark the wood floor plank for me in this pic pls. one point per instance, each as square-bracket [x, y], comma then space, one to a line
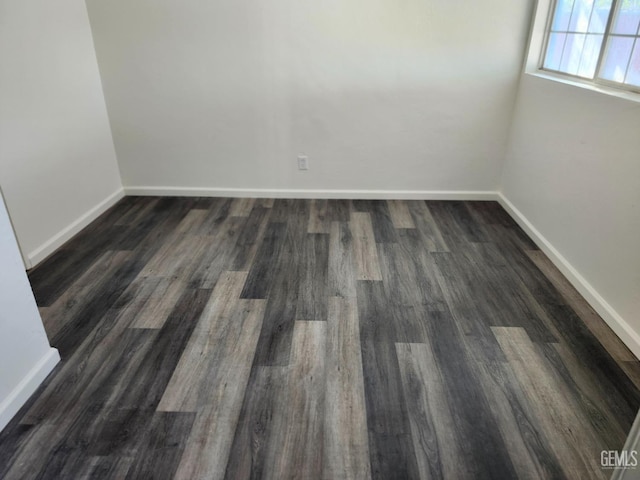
[589, 397]
[490, 213]
[258, 285]
[506, 301]
[192, 221]
[457, 284]
[160, 303]
[241, 207]
[529, 451]
[265, 202]
[381, 223]
[563, 430]
[177, 257]
[252, 230]
[399, 275]
[375, 317]
[274, 346]
[134, 210]
[426, 226]
[218, 215]
[456, 223]
[262, 402]
[400, 214]
[319, 219]
[312, 288]
[109, 468]
[432, 429]
[218, 255]
[14, 438]
[402, 294]
[67, 305]
[509, 237]
[341, 275]
[475, 421]
[422, 263]
[149, 234]
[219, 393]
[364, 247]
[296, 450]
[250, 238]
[339, 210]
[76, 465]
[345, 448]
[391, 451]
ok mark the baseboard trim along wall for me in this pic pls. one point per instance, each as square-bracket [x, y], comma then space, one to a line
[304, 193]
[29, 384]
[55, 242]
[621, 328]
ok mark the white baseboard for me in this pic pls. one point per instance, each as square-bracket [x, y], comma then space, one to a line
[55, 242]
[621, 328]
[17, 398]
[303, 193]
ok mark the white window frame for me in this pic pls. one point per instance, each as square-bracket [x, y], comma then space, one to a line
[538, 38]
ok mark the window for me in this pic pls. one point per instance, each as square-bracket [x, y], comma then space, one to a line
[595, 40]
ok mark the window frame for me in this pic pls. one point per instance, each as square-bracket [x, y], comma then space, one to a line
[596, 80]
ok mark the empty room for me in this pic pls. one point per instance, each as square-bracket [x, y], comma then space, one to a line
[301, 239]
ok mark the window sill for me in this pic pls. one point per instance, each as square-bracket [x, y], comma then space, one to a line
[603, 89]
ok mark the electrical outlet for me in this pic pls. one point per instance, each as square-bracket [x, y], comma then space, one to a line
[303, 162]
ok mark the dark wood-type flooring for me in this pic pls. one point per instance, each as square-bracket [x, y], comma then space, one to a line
[211, 338]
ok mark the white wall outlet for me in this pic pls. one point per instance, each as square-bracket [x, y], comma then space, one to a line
[303, 162]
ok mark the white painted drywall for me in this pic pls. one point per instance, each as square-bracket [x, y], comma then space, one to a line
[380, 94]
[57, 160]
[573, 170]
[25, 355]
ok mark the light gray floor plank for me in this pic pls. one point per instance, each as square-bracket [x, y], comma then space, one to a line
[296, 450]
[319, 221]
[241, 207]
[364, 247]
[160, 303]
[346, 443]
[400, 214]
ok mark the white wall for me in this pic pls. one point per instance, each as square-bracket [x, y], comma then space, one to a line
[57, 160]
[381, 94]
[573, 170]
[25, 356]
